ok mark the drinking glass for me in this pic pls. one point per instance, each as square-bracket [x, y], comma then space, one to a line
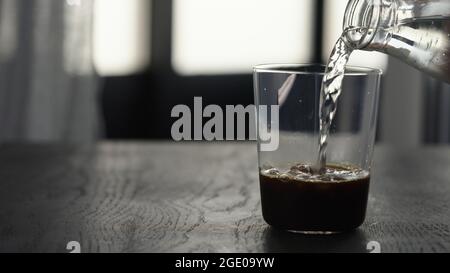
[287, 97]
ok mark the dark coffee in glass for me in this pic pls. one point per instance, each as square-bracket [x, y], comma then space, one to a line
[299, 200]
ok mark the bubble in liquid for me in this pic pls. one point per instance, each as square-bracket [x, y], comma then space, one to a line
[271, 172]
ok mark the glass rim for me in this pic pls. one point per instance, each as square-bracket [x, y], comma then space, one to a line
[291, 68]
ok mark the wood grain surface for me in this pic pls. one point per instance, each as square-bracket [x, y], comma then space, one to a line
[204, 197]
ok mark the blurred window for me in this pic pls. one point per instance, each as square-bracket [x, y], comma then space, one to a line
[122, 36]
[231, 36]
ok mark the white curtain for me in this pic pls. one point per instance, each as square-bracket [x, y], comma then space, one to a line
[48, 86]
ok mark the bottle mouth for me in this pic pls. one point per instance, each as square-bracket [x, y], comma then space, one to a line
[361, 21]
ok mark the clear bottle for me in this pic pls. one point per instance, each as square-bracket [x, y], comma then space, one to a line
[415, 31]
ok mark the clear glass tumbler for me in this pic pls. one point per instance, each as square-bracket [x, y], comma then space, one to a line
[294, 197]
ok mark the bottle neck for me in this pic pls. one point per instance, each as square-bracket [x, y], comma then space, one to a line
[368, 23]
[414, 31]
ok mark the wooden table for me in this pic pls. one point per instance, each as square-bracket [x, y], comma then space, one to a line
[203, 197]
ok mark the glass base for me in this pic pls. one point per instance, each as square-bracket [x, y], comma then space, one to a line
[315, 232]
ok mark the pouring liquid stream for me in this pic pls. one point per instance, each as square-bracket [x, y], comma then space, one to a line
[329, 96]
